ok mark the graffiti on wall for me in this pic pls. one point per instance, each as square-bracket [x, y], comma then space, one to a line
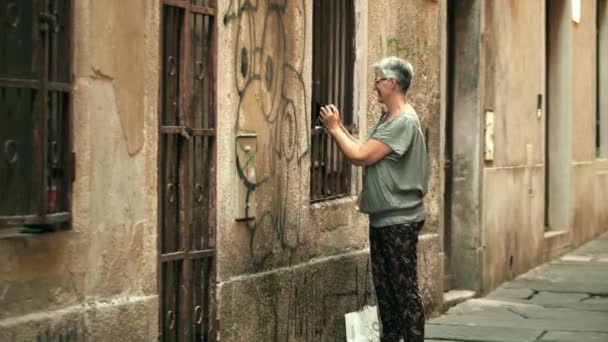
[268, 66]
[309, 322]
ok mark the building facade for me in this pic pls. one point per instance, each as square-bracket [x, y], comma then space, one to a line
[171, 182]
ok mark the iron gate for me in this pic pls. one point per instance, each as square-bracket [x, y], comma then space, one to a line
[187, 171]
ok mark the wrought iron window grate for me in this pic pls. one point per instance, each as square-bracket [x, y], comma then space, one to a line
[333, 68]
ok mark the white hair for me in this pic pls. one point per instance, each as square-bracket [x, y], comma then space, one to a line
[395, 67]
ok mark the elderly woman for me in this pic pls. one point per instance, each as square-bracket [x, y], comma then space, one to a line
[394, 186]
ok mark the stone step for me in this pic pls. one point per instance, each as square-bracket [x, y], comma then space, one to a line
[455, 297]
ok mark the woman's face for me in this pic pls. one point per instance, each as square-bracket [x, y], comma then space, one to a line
[384, 87]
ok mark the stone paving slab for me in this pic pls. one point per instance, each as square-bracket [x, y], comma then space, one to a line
[567, 322]
[564, 286]
[565, 300]
[480, 334]
[508, 293]
[575, 301]
[567, 336]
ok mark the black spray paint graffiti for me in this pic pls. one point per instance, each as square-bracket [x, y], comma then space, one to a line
[272, 105]
[309, 322]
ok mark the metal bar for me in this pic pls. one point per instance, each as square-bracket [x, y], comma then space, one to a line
[323, 98]
[324, 44]
[206, 299]
[185, 175]
[320, 165]
[191, 8]
[212, 73]
[159, 168]
[330, 169]
[345, 94]
[203, 10]
[170, 180]
[167, 20]
[201, 254]
[19, 83]
[24, 220]
[171, 75]
[58, 86]
[328, 198]
[342, 60]
[184, 130]
[212, 307]
[349, 63]
[324, 158]
[70, 163]
[177, 3]
[331, 49]
[314, 164]
[335, 80]
[340, 173]
[40, 125]
[172, 256]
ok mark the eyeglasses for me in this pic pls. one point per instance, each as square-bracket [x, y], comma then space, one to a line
[381, 79]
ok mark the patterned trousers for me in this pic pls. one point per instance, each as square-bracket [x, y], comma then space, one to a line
[393, 254]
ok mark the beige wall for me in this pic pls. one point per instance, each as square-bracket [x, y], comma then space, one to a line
[513, 196]
[513, 184]
[98, 280]
[589, 174]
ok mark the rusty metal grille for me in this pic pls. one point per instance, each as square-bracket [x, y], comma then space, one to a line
[36, 162]
[187, 171]
[333, 68]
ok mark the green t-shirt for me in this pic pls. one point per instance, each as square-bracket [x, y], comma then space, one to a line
[394, 187]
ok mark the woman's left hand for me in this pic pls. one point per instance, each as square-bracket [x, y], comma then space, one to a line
[330, 117]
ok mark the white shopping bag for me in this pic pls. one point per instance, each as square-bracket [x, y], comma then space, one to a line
[362, 325]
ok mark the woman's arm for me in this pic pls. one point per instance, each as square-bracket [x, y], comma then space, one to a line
[359, 154]
[350, 136]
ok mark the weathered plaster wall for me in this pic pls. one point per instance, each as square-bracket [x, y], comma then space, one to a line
[603, 75]
[513, 185]
[513, 223]
[513, 188]
[558, 108]
[464, 247]
[589, 184]
[265, 58]
[583, 83]
[267, 263]
[99, 279]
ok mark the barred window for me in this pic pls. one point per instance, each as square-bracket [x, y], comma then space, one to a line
[36, 162]
[333, 68]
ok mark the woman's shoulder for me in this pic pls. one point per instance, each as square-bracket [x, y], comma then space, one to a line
[411, 117]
